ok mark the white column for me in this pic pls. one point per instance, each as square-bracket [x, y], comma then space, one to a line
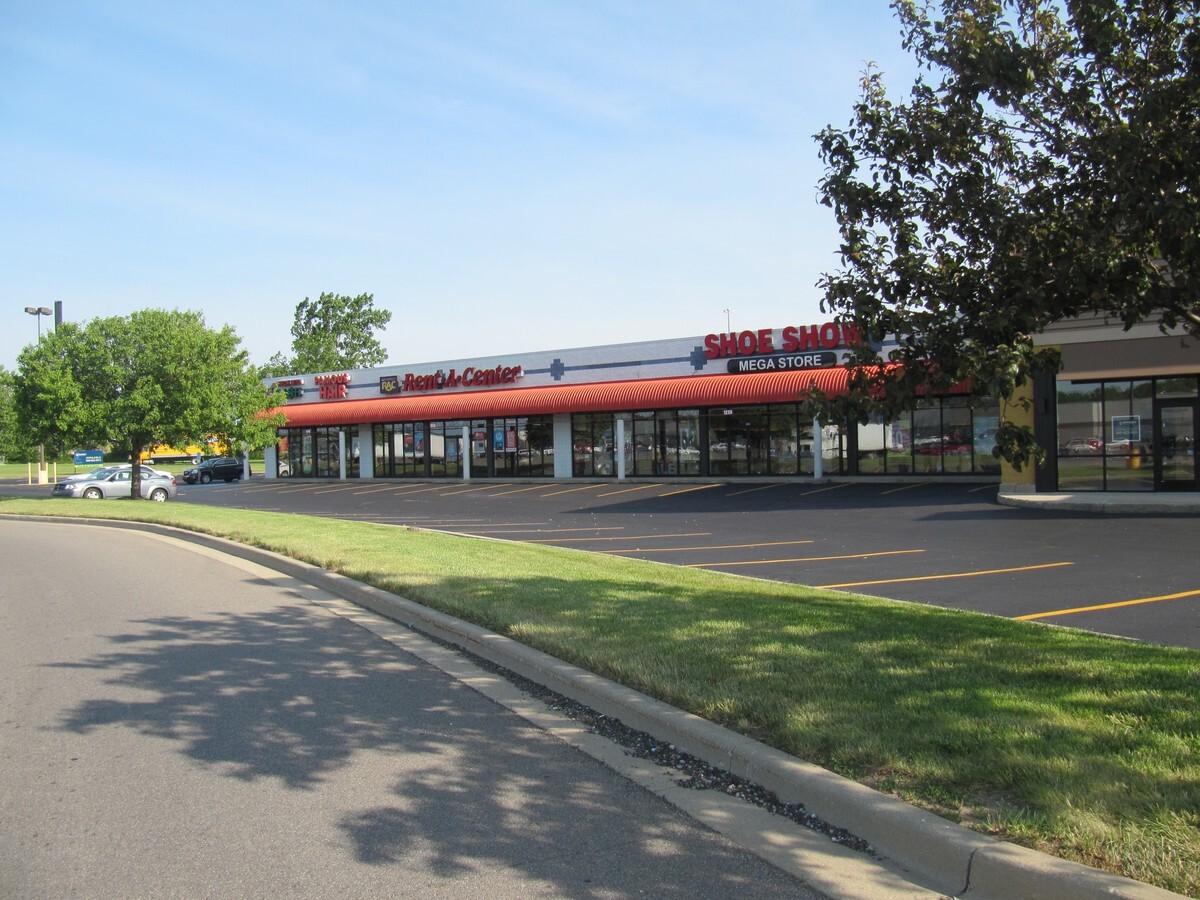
[341, 455]
[466, 452]
[366, 452]
[564, 452]
[271, 462]
[620, 449]
[818, 450]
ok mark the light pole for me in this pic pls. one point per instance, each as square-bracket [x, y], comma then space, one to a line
[40, 311]
[728, 328]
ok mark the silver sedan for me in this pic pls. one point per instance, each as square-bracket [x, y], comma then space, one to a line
[109, 485]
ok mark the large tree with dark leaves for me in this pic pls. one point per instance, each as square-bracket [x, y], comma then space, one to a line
[1044, 165]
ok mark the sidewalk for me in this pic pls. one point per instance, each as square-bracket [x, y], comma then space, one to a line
[1119, 503]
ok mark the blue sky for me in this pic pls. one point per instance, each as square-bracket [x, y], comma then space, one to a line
[502, 176]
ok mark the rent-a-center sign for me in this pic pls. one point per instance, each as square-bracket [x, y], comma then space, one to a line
[757, 351]
[470, 377]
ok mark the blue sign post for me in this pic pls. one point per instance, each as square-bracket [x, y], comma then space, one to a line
[88, 457]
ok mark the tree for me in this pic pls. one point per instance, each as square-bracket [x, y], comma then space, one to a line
[332, 333]
[156, 376]
[14, 447]
[1044, 166]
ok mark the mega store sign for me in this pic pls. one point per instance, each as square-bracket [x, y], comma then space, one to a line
[470, 377]
[797, 347]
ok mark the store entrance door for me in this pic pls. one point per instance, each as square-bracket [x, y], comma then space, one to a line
[1175, 445]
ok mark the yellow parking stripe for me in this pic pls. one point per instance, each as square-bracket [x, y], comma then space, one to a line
[718, 547]
[1120, 603]
[699, 487]
[767, 562]
[479, 529]
[952, 575]
[644, 537]
[520, 490]
[470, 490]
[765, 487]
[586, 487]
[907, 487]
[640, 487]
[832, 487]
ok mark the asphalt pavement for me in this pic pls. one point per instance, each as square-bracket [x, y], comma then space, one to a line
[179, 722]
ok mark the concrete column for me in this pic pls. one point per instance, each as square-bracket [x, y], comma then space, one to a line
[620, 449]
[564, 452]
[818, 450]
[342, 455]
[466, 452]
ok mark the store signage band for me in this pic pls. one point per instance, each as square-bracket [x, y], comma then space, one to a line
[293, 388]
[793, 338]
[333, 387]
[470, 377]
[782, 363]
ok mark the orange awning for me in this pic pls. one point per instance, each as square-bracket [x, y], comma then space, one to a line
[686, 392]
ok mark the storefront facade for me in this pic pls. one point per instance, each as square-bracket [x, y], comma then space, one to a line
[716, 406]
[1123, 413]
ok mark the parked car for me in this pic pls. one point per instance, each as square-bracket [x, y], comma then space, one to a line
[1084, 447]
[117, 467]
[224, 467]
[112, 485]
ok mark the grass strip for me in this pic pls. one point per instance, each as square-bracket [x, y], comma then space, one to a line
[1073, 743]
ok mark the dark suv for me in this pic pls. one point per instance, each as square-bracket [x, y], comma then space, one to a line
[224, 467]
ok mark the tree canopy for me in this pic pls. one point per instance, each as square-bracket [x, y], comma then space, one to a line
[1043, 166]
[334, 332]
[155, 376]
[14, 446]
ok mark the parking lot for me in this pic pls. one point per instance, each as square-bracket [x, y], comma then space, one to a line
[947, 544]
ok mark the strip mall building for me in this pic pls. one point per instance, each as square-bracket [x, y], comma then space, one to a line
[1122, 416]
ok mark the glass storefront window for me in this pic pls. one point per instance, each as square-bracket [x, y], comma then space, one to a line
[985, 422]
[1176, 388]
[1106, 431]
[592, 445]
[870, 447]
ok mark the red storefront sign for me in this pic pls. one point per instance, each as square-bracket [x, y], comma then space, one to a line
[791, 339]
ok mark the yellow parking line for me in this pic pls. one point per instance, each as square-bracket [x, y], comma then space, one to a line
[520, 490]
[765, 487]
[907, 487]
[832, 487]
[413, 489]
[640, 487]
[586, 487]
[644, 537]
[333, 490]
[718, 547]
[699, 487]
[478, 529]
[470, 490]
[952, 575]
[1120, 603]
[767, 562]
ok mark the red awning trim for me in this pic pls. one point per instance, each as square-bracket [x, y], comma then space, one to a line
[684, 392]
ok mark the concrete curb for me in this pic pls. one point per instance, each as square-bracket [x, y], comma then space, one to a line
[1107, 503]
[946, 857]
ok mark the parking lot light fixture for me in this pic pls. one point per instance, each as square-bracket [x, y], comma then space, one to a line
[40, 311]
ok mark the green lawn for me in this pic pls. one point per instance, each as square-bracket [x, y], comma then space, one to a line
[1073, 743]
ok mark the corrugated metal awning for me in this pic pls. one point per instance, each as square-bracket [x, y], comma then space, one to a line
[686, 392]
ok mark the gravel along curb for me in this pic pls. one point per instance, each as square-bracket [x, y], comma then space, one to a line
[940, 854]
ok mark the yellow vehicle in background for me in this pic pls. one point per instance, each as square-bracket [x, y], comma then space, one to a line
[193, 453]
